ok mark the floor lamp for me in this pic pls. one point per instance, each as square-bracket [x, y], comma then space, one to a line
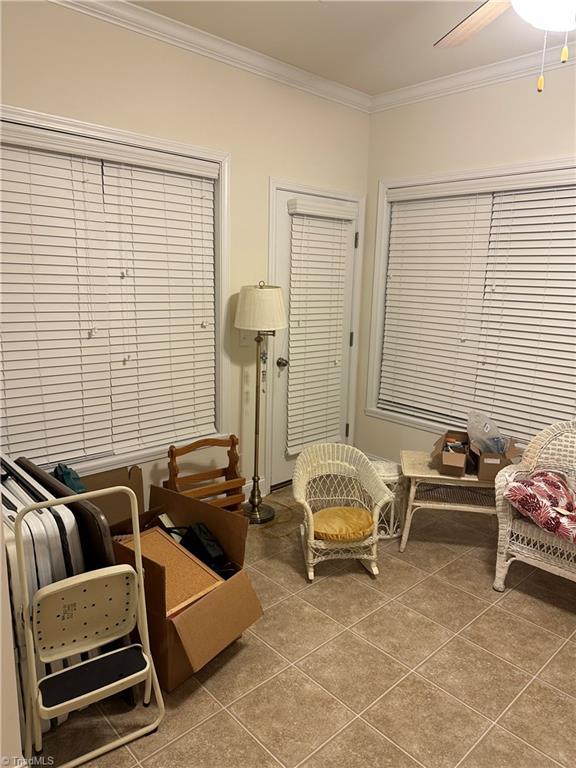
[261, 309]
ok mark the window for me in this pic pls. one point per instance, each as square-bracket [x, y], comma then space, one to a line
[479, 305]
[109, 327]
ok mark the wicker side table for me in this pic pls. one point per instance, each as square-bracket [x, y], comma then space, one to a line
[390, 522]
[431, 490]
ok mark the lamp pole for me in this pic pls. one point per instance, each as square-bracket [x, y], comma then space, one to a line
[260, 308]
[257, 512]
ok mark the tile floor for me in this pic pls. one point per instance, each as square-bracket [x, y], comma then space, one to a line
[424, 666]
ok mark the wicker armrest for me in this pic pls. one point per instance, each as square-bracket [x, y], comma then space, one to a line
[504, 509]
[376, 487]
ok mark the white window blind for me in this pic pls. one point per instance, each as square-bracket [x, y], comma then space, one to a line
[481, 308]
[321, 251]
[162, 305]
[433, 305]
[526, 376]
[55, 368]
[108, 306]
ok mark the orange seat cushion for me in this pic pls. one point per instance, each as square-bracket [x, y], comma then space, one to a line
[342, 524]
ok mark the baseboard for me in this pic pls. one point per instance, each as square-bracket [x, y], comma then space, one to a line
[264, 487]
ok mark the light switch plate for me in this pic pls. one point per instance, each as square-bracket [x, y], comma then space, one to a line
[246, 338]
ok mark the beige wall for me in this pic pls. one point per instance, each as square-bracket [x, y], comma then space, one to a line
[497, 125]
[65, 63]
[62, 62]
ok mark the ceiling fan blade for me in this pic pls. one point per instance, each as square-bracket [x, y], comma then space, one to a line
[477, 20]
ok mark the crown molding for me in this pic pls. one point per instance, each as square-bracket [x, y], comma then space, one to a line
[159, 27]
[470, 79]
[151, 24]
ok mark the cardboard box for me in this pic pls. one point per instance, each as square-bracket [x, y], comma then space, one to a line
[116, 508]
[453, 463]
[187, 578]
[184, 643]
[489, 464]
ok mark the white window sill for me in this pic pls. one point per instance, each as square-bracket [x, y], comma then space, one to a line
[115, 461]
[435, 427]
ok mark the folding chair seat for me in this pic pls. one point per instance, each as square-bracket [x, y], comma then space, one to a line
[80, 614]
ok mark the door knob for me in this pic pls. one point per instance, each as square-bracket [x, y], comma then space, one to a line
[281, 362]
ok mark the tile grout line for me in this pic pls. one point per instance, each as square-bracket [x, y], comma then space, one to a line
[344, 628]
[357, 716]
[493, 723]
[142, 760]
[423, 661]
[507, 708]
[409, 670]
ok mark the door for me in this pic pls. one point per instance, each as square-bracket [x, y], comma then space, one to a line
[308, 367]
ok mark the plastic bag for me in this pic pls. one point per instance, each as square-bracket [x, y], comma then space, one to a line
[483, 431]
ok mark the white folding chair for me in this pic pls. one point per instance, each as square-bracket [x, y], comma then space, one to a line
[81, 614]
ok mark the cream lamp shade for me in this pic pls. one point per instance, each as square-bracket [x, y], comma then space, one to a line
[260, 308]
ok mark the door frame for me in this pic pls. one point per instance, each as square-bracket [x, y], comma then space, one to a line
[277, 185]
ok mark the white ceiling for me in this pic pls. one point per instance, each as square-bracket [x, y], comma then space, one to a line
[373, 47]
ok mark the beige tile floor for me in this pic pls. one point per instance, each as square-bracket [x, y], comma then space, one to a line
[424, 666]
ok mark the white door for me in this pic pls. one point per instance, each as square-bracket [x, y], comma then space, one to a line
[308, 367]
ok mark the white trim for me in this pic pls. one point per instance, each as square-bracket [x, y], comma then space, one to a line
[470, 79]
[541, 169]
[146, 22]
[301, 206]
[114, 461]
[356, 311]
[222, 254]
[151, 24]
[487, 172]
[499, 183]
[378, 292]
[75, 128]
[284, 185]
[102, 149]
[29, 117]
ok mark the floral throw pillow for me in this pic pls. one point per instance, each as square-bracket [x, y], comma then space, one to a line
[546, 498]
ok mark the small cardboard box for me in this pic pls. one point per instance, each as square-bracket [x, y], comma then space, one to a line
[453, 463]
[489, 464]
[184, 643]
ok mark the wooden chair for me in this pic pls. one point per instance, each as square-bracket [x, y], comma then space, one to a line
[224, 491]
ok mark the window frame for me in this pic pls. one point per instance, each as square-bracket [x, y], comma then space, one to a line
[491, 179]
[19, 123]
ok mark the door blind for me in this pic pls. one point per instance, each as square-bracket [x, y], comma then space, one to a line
[55, 357]
[433, 306]
[526, 376]
[162, 305]
[321, 250]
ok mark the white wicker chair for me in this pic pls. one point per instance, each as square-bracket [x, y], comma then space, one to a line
[333, 474]
[518, 537]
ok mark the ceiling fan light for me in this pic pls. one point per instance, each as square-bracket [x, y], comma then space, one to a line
[550, 15]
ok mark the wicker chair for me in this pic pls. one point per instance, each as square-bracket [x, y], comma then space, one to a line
[521, 539]
[329, 475]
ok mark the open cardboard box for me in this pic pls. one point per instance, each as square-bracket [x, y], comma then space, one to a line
[489, 464]
[183, 644]
[453, 463]
[116, 509]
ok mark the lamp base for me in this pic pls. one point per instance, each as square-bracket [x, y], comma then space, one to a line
[259, 515]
